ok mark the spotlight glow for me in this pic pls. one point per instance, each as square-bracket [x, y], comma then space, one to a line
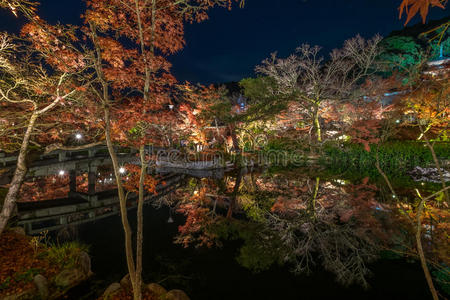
[61, 173]
[122, 170]
[78, 136]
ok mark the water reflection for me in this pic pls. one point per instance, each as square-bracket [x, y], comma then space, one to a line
[307, 221]
[303, 219]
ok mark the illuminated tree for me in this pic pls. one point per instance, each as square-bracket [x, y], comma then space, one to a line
[128, 43]
[305, 77]
[27, 92]
[155, 29]
[26, 7]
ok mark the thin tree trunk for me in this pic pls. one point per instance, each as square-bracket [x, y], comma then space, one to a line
[217, 128]
[317, 124]
[140, 225]
[234, 138]
[234, 195]
[423, 261]
[386, 179]
[120, 191]
[436, 163]
[19, 176]
[122, 199]
[312, 204]
[137, 292]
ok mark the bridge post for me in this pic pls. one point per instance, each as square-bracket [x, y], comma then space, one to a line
[28, 228]
[91, 152]
[63, 220]
[92, 178]
[72, 182]
[61, 156]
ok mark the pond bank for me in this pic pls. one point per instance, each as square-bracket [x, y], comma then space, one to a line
[33, 269]
[152, 291]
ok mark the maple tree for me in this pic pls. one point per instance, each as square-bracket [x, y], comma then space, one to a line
[124, 46]
[155, 28]
[130, 42]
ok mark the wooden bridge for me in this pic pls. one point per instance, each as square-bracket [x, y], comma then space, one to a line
[78, 207]
[81, 208]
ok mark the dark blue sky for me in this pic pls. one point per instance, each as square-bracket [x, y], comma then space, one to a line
[229, 45]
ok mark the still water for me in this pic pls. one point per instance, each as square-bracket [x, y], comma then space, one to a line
[269, 234]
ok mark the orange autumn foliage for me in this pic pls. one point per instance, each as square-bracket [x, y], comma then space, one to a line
[413, 7]
[131, 183]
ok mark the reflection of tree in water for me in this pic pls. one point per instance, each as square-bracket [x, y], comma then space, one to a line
[299, 222]
[317, 222]
[308, 222]
[340, 248]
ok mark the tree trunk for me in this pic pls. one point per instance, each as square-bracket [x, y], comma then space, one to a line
[140, 225]
[234, 138]
[122, 199]
[422, 255]
[317, 124]
[19, 176]
[312, 203]
[386, 179]
[234, 195]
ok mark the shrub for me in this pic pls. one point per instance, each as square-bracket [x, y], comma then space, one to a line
[395, 157]
[65, 255]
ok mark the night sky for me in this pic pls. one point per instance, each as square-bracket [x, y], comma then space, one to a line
[229, 45]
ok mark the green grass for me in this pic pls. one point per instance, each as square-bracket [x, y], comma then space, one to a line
[65, 255]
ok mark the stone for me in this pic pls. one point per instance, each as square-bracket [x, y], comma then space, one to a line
[41, 284]
[112, 288]
[125, 283]
[156, 289]
[84, 262]
[176, 295]
[67, 278]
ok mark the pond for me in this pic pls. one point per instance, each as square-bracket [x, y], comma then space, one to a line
[275, 233]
